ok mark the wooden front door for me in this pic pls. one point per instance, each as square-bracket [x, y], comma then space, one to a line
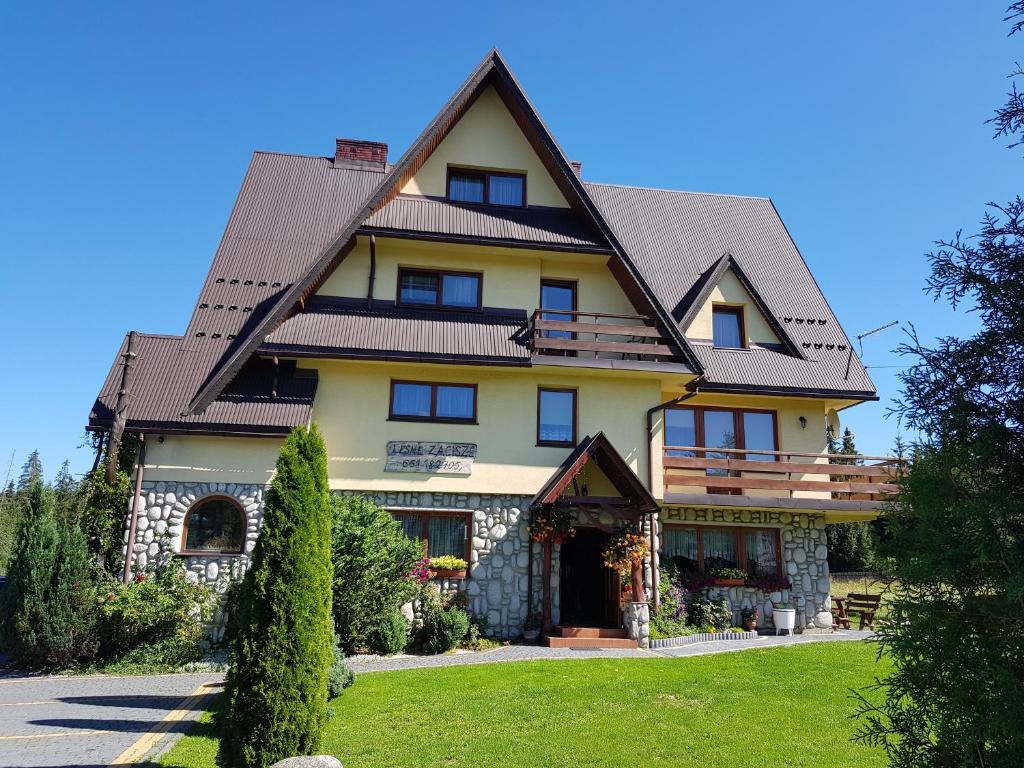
[589, 592]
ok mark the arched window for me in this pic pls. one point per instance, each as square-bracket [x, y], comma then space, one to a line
[215, 525]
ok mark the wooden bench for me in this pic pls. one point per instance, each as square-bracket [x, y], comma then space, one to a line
[865, 606]
[839, 615]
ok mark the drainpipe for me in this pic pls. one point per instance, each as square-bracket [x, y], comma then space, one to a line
[133, 520]
[373, 272]
[692, 390]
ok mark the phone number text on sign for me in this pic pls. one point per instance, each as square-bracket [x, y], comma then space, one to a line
[429, 457]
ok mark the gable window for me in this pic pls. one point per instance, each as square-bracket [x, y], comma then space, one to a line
[727, 327]
[703, 549]
[556, 417]
[442, 533]
[450, 290]
[466, 186]
[215, 525]
[424, 401]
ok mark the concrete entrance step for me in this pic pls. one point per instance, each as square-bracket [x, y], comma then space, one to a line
[587, 637]
[588, 632]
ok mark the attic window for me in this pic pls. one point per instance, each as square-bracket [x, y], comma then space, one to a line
[727, 327]
[506, 189]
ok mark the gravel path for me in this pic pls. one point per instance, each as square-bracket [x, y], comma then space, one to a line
[366, 664]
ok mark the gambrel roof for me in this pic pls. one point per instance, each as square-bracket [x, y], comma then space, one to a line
[296, 217]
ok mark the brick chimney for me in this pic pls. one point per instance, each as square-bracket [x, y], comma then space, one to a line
[577, 166]
[353, 153]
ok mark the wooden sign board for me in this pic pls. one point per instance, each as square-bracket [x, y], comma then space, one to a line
[430, 458]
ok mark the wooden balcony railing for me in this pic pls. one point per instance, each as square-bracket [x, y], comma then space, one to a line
[597, 335]
[737, 472]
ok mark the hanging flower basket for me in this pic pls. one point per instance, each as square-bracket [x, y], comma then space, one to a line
[625, 551]
[554, 525]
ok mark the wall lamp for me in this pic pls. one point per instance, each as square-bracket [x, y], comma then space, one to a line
[803, 422]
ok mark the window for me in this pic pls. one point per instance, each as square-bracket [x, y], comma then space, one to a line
[727, 327]
[703, 549]
[466, 186]
[558, 294]
[215, 525]
[421, 401]
[556, 417]
[451, 290]
[441, 533]
[721, 428]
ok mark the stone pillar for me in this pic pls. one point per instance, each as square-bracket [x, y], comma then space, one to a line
[636, 620]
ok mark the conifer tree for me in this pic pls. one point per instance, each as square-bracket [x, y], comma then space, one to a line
[277, 682]
[850, 545]
[47, 610]
[31, 471]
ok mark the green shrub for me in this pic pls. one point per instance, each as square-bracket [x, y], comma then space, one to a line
[48, 607]
[340, 675]
[277, 683]
[389, 635]
[372, 561]
[714, 615]
[445, 630]
[670, 618]
[158, 618]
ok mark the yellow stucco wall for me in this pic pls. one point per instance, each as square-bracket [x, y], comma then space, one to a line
[351, 410]
[511, 276]
[202, 459]
[487, 137]
[730, 291]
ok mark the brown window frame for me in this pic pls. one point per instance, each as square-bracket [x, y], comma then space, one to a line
[575, 418]
[731, 309]
[433, 418]
[425, 516]
[739, 538]
[198, 504]
[441, 274]
[741, 442]
[486, 176]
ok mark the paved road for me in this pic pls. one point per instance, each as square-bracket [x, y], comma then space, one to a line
[88, 722]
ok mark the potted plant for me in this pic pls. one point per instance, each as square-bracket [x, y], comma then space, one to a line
[748, 617]
[784, 618]
[729, 577]
[555, 525]
[625, 554]
[448, 567]
[531, 629]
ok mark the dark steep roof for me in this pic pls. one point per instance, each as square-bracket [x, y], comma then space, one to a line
[296, 216]
[676, 237]
[332, 327]
[537, 227]
[164, 374]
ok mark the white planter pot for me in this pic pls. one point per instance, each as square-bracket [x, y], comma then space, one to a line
[784, 618]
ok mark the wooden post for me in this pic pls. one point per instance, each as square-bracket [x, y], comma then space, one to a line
[637, 579]
[120, 411]
[546, 574]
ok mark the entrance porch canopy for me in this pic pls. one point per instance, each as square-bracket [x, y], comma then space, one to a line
[564, 490]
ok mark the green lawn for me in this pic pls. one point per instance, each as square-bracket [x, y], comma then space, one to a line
[782, 706]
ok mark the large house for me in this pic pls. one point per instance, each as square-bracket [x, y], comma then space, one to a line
[482, 337]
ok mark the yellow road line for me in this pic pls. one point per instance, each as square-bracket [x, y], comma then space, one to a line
[56, 735]
[140, 748]
[27, 703]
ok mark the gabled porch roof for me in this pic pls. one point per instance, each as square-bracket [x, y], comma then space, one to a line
[633, 496]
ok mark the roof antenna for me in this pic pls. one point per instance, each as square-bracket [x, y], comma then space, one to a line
[860, 343]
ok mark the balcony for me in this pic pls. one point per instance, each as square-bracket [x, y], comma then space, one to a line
[779, 479]
[600, 339]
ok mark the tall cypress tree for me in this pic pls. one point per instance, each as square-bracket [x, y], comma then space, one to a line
[277, 682]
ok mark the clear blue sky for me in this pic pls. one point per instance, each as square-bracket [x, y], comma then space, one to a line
[127, 128]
